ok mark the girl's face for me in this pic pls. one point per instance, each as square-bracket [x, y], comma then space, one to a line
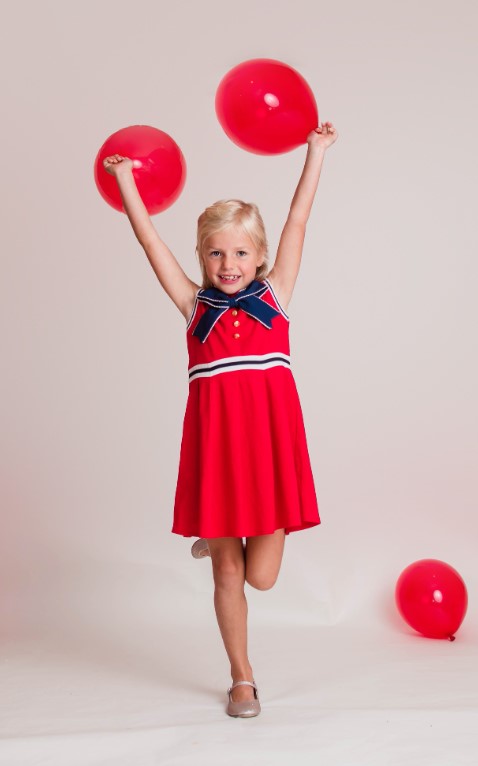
[231, 259]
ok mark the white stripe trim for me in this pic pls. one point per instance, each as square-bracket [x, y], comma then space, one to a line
[276, 299]
[193, 313]
[244, 357]
[235, 368]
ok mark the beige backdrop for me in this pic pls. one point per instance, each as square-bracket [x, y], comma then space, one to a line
[383, 329]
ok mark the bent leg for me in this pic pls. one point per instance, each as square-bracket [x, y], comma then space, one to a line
[228, 564]
[264, 558]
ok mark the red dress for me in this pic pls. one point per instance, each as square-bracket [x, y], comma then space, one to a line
[244, 466]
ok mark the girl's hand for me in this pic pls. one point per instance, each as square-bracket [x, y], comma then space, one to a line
[116, 164]
[323, 136]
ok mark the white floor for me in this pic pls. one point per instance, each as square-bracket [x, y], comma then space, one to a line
[139, 693]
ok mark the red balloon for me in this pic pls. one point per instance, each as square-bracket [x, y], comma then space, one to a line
[266, 107]
[159, 167]
[432, 598]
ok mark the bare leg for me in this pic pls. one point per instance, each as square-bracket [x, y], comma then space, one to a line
[228, 563]
[264, 558]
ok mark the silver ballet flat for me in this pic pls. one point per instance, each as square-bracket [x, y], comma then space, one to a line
[200, 548]
[246, 709]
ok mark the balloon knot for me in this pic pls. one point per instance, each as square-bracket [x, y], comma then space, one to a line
[451, 638]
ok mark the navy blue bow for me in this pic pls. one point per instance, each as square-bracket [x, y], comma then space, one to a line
[248, 299]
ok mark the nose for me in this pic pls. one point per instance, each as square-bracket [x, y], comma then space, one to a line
[228, 263]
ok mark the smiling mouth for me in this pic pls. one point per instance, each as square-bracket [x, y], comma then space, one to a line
[228, 278]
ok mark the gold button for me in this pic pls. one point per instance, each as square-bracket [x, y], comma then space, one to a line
[234, 312]
[236, 335]
[236, 323]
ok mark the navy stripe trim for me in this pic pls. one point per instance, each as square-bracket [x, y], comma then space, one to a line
[224, 365]
[230, 364]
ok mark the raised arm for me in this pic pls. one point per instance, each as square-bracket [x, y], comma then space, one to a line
[175, 282]
[284, 273]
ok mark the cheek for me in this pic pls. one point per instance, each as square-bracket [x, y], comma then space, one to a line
[205, 264]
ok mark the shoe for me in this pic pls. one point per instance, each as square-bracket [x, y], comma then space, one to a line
[246, 709]
[200, 549]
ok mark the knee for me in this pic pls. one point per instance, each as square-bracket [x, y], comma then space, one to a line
[228, 573]
[261, 580]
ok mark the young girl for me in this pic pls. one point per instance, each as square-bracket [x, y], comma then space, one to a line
[244, 469]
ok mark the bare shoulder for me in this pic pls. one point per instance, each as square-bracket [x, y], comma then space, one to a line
[189, 300]
[282, 296]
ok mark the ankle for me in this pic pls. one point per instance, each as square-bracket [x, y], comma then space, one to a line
[242, 673]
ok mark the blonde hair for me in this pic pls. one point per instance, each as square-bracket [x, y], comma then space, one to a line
[232, 212]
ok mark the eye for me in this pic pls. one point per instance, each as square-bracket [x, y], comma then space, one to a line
[242, 252]
[215, 253]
